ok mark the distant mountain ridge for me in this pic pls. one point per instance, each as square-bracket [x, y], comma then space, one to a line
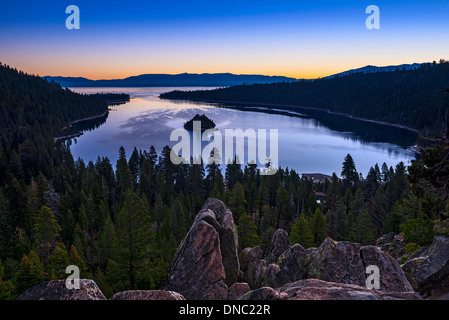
[172, 80]
[374, 69]
[206, 79]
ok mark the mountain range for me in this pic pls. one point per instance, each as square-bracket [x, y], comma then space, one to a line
[204, 79]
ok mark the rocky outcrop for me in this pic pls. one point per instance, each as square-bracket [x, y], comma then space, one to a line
[428, 268]
[206, 260]
[341, 262]
[392, 278]
[147, 295]
[392, 244]
[279, 243]
[336, 262]
[314, 289]
[57, 290]
[237, 290]
[228, 238]
[206, 266]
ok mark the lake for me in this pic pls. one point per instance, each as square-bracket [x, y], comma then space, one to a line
[309, 141]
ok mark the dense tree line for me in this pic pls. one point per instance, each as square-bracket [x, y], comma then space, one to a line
[410, 98]
[122, 223]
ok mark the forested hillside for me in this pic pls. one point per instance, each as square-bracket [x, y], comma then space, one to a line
[122, 225]
[411, 98]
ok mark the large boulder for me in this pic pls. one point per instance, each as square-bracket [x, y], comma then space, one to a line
[237, 290]
[228, 238]
[279, 243]
[291, 264]
[197, 271]
[206, 262]
[392, 278]
[314, 289]
[335, 262]
[57, 290]
[341, 262]
[428, 268]
[392, 244]
[255, 270]
[147, 295]
[249, 259]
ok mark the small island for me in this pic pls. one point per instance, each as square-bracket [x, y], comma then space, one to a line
[206, 123]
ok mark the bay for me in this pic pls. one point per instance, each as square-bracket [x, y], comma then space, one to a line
[309, 141]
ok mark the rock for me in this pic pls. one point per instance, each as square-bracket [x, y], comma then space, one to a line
[147, 295]
[384, 241]
[314, 289]
[279, 243]
[228, 238]
[291, 264]
[255, 270]
[196, 270]
[335, 262]
[428, 268]
[237, 290]
[249, 260]
[57, 290]
[392, 278]
[396, 248]
[264, 293]
[206, 262]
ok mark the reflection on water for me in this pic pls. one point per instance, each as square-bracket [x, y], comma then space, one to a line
[309, 141]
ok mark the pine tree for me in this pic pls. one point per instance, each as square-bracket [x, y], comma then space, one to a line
[59, 261]
[135, 239]
[281, 203]
[237, 203]
[247, 232]
[301, 233]
[30, 272]
[349, 172]
[46, 231]
[75, 259]
[419, 231]
[7, 289]
[107, 243]
[362, 230]
[318, 227]
[125, 180]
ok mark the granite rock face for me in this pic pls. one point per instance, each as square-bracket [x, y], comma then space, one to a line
[314, 289]
[57, 290]
[279, 243]
[336, 262]
[341, 262]
[228, 238]
[206, 261]
[237, 290]
[206, 266]
[392, 278]
[428, 268]
[147, 295]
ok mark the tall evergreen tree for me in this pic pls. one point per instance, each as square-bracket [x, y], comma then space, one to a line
[301, 233]
[135, 239]
[46, 231]
[30, 273]
[247, 232]
[318, 227]
[348, 171]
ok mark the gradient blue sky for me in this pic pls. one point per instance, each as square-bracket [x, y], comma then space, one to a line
[301, 39]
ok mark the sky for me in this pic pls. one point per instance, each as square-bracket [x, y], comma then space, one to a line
[300, 39]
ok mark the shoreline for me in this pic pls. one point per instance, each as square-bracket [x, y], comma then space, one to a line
[79, 133]
[262, 104]
[89, 118]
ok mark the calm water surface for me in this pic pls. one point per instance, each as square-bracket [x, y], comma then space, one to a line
[309, 141]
